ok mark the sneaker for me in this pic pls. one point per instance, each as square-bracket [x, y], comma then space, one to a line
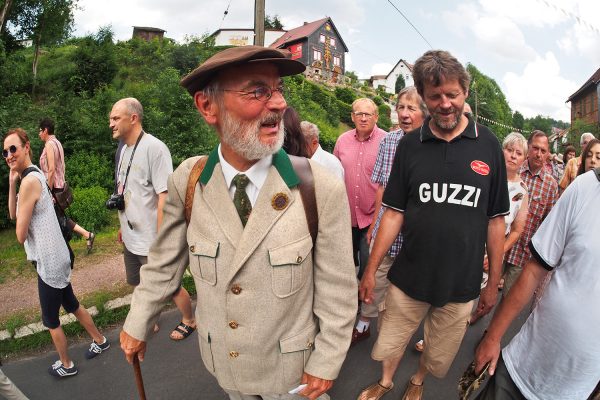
[96, 349]
[60, 371]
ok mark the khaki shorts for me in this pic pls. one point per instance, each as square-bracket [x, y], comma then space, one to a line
[445, 328]
[381, 285]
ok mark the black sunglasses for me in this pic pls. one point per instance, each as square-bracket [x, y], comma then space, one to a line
[12, 149]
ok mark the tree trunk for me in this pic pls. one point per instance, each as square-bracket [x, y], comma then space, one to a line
[36, 54]
[4, 14]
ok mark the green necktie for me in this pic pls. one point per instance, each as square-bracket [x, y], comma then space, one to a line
[240, 198]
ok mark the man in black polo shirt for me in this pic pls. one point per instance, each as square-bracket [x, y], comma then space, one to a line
[447, 194]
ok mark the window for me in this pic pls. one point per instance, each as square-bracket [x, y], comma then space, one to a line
[317, 55]
[322, 38]
[332, 42]
[336, 61]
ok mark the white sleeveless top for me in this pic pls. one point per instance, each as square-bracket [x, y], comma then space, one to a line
[516, 192]
[45, 244]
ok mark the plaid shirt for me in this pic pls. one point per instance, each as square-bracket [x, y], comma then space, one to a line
[381, 174]
[543, 193]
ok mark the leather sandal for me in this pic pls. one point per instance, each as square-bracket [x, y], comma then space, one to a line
[184, 330]
[374, 392]
[413, 392]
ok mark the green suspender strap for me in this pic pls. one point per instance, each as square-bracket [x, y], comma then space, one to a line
[306, 187]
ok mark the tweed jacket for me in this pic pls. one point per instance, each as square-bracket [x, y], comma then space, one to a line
[270, 306]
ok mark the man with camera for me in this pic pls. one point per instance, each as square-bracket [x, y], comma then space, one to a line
[140, 193]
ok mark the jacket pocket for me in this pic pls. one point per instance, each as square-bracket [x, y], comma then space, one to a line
[289, 266]
[295, 352]
[203, 259]
[206, 348]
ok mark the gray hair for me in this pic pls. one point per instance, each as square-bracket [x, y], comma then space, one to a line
[411, 92]
[586, 135]
[309, 130]
[133, 106]
[515, 139]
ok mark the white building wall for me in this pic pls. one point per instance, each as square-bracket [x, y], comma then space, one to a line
[244, 37]
[390, 82]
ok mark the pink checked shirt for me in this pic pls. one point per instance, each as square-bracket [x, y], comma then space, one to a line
[358, 159]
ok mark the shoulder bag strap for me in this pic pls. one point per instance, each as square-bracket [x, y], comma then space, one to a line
[191, 186]
[307, 192]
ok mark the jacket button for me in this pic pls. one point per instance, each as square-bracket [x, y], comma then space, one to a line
[192, 249]
[233, 354]
[236, 289]
[233, 325]
[299, 259]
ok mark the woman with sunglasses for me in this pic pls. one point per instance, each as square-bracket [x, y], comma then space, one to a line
[37, 228]
[52, 163]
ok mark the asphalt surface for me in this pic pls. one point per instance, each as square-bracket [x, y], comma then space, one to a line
[173, 370]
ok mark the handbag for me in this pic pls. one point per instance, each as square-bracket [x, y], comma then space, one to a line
[63, 220]
[64, 196]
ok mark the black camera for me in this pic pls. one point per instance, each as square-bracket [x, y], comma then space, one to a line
[116, 201]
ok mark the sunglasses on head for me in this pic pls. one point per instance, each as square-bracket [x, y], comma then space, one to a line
[12, 149]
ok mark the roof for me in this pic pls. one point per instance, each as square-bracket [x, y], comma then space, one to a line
[148, 29]
[594, 79]
[408, 65]
[305, 31]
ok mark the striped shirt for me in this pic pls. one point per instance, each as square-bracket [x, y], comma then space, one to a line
[381, 174]
[543, 193]
[358, 159]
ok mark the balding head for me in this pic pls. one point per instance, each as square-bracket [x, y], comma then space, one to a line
[585, 139]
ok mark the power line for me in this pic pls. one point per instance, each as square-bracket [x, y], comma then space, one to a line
[225, 14]
[411, 24]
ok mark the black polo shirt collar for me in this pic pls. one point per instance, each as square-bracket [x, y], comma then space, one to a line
[470, 131]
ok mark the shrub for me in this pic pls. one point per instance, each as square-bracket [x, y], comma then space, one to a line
[88, 208]
[86, 170]
[384, 121]
[345, 94]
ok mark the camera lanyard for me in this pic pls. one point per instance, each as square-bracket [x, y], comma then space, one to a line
[128, 166]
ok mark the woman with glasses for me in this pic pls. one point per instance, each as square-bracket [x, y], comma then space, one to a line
[52, 163]
[38, 229]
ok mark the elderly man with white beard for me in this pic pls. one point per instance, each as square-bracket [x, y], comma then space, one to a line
[276, 288]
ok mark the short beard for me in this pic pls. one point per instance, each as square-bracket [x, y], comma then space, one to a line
[447, 125]
[243, 137]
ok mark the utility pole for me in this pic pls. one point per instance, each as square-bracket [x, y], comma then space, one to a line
[259, 22]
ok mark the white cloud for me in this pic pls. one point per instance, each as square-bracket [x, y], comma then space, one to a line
[536, 13]
[503, 37]
[539, 89]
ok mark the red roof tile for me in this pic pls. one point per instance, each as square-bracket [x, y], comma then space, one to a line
[302, 32]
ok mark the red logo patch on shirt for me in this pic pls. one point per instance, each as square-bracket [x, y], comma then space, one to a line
[480, 167]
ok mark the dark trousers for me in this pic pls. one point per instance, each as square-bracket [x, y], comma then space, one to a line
[500, 386]
[360, 248]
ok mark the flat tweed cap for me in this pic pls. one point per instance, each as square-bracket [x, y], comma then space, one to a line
[203, 74]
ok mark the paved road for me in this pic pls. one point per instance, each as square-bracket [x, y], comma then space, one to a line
[173, 371]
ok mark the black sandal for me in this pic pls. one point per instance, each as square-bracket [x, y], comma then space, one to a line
[90, 242]
[184, 330]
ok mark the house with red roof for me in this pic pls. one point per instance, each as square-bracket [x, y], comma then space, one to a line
[584, 102]
[320, 47]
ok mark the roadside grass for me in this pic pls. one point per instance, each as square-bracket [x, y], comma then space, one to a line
[10, 348]
[13, 260]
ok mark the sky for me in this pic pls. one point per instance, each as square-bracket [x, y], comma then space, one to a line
[538, 51]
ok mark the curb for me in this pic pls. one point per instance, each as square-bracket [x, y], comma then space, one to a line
[37, 327]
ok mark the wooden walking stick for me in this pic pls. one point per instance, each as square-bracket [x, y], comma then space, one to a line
[139, 381]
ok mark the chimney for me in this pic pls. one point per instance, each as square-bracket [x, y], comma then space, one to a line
[305, 23]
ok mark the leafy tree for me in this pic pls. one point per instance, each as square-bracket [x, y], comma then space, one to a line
[345, 94]
[487, 100]
[518, 120]
[46, 22]
[95, 62]
[273, 22]
[400, 84]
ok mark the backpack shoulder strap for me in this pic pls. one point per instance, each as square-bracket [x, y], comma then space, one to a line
[191, 186]
[27, 171]
[307, 192]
